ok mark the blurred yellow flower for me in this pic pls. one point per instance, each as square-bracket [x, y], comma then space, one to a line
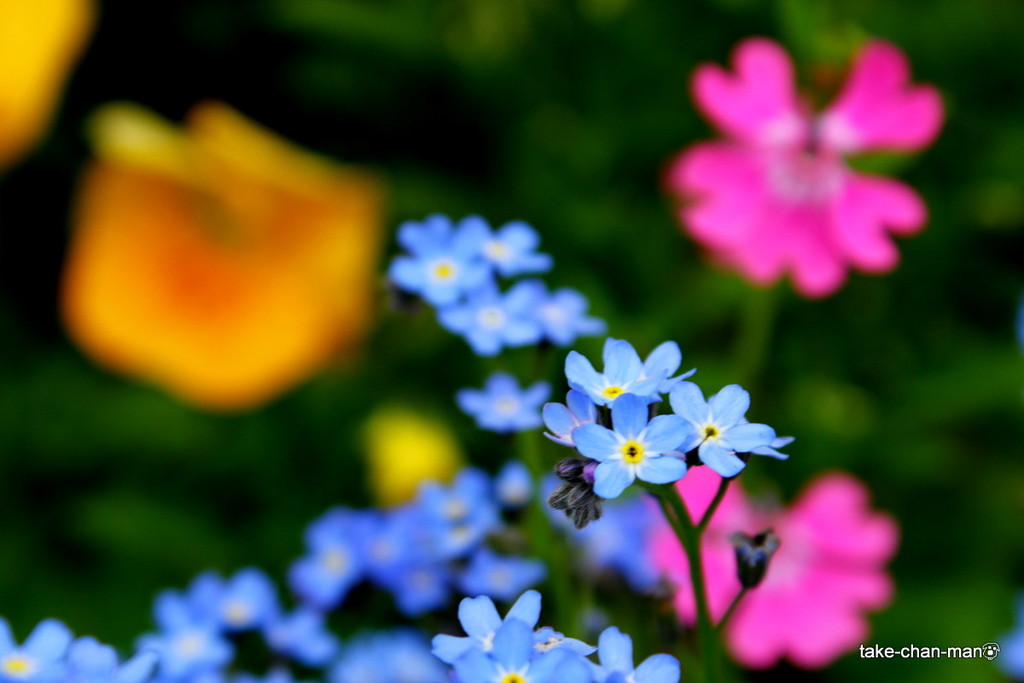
[39, 41]
[405, 449]
[219, 262]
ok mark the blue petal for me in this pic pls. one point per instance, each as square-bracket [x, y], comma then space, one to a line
[138, 668]
[663, 469]
[665, 358]
[688, 402]
[611, 478]
[524, 295]
[450, 648]
[666, 433]
[526, 609]
[629, 415]
[595, 441]
[581, 406]
[558, 419]
[615, 650]
[658, 669]
[522, 332]
[513, 644]
[456, 319]
[48, 640]
[425, 238]
[6, 637]
[520, 235]
[730, 404]
[622, 363]
[478, 616]
[407, 273]
[472, 232]
[720, 459]
[536, 394]
[501, 383]
[476, 667]
[743, 438]
[471, 401]
[581, 374]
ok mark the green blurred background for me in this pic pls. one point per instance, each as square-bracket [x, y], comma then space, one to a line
[561, 114]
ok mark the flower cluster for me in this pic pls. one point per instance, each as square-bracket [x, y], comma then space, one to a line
[777, 194]
[827, 571]
[502, 406]
[52, 654]
[456, 268]
[513, 650]
[419, 551]
[610, 418]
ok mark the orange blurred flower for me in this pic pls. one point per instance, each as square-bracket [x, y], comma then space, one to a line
[39, 40]
[219, 262]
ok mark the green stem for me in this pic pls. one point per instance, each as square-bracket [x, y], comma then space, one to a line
[731, 609]
[754, 332]
[710, 512]
[689, 537]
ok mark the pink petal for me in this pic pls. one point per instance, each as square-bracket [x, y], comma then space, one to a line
[879, 109]
[866, 210]
[818, 267]
[758, 103]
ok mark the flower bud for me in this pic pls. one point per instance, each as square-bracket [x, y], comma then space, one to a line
[753, 553]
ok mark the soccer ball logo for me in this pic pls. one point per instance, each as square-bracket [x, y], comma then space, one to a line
[990, 651]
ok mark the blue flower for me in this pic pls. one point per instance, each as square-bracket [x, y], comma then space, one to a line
[323, 577]
[444, 262]
[770, 450]
[513, 486]
[187, 650]
[514, 658]
[561, 420]
[89, 661]
[480, 620]
[563, 317]
[624, 372]
[420, 588]
[275, 675]
[1011, 655]
[500, 577]
[399, 656]
[635, 449]
[502, 406]
[248, 600]
[615, 650]
[490, 320]
[40, 659]
[458, 516]
[547, 638]
[511, 250]
[302, 636]
[719, 428]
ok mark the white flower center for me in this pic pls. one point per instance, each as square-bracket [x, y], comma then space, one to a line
[491, 318]
[805, 177]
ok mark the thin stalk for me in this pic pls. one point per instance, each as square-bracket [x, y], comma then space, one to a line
[710, 512]
[732, 608]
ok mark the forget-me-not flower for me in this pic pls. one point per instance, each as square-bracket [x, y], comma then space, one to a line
[513, 659]
[624, 372]
[460, 515]
[513, 485]
[248, 601]
[89, 661]
[444, 262]
[561, 419]
[480, 620]
[615, 650]
[634, 448]
[333, 563]
[491, 321]
[562, 315]
[301, 635]
[501, 577]
[511, 249]
[40, 658]
[398, 656]
[502, 406]
[719, 428]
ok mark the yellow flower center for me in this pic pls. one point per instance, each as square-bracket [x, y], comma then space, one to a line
[612, 392]
[491, 318]
[497, 251]
[512, 678]
[17, 666]
[444, 270]
[632, 452]
[711, 432]
[237, 613]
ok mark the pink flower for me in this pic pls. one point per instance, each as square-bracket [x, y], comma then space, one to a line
[828, 570]
[776, 195]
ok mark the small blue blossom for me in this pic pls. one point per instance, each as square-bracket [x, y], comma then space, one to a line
[88, 661]
[770, 450]
[458, 516]
[301, 636]
[444, 262]
[40, 658]
[420, 588]
[634, 449]
[561, 420]
[547, 638]
[323, 577]
[719, 428]
[502, 406]
[513, 653]
[400, 656]
[562, 315]
[188, 651]
[511, 249]
[1011, 655]
[491, 321]
[513, 486]
[275, 675]
[480, 620]
[248, 600]
[500, 577]
[615, 650]
[624, 372]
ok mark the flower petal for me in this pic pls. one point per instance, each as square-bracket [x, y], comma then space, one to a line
[667, 433]
[688, 402]
[595, 441]
[611, 478]
[622, 363]
[743, 438]
[629, 415]
[478, 616]
[720, 459]
[866, 210]
[663, 469]
[581, 374]
[659, 668]
[615, 650]
[730, 404]
[526, 609]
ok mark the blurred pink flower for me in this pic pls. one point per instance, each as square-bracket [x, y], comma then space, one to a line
[776, 195]
[828, 570]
